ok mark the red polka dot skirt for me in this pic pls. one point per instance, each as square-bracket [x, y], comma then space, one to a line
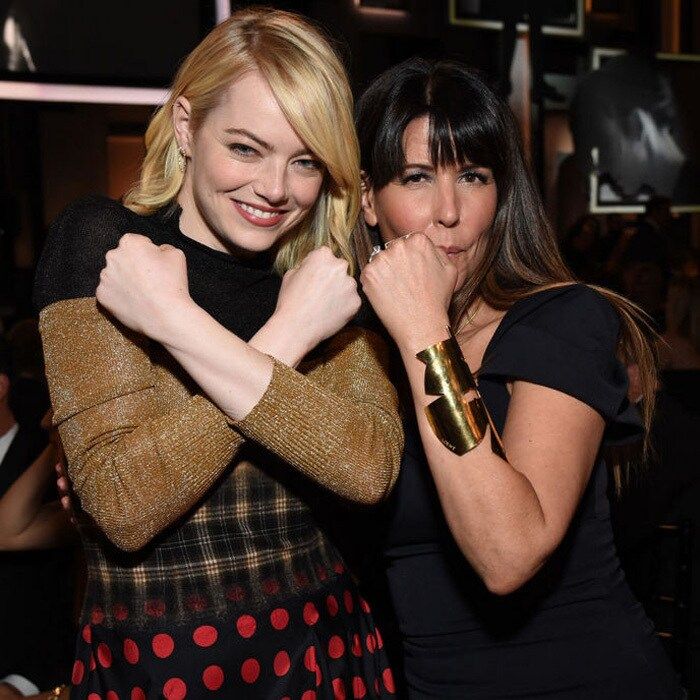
[320, 646]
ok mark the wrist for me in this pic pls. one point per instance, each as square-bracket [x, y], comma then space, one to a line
[165, 323]
[280, 338]
[421, 336]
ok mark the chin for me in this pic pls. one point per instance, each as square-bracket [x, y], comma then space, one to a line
[252, 243]
[246, 236]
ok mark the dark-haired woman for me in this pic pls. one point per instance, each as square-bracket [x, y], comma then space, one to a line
[501, 563]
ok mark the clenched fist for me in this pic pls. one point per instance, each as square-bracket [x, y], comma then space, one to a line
[410, 285]
[318, 297]
[141, 281]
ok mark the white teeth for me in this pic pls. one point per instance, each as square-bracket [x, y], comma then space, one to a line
[259, 213]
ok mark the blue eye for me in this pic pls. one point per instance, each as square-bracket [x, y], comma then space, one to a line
[242, 149]
[309, 164]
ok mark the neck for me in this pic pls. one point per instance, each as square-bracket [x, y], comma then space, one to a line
[479, 315]
[191, 223]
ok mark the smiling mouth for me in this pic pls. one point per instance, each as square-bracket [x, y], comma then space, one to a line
[259, 217]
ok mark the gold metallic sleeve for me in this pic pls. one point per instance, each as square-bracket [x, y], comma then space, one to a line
[458, 422]
[141, 448]
[338, 422]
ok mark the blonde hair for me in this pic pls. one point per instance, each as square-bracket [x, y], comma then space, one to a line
[311, 87]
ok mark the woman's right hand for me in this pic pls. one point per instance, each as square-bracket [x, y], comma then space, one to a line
[317, 298]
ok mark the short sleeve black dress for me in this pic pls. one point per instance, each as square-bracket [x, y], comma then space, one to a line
[575, 630]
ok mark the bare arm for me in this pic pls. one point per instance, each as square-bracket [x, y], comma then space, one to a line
[25, 521]
[345, 424]
[506, 516]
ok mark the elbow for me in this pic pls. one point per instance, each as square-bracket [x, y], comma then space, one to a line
[128, 537]
[385, 464]
[122, 532]
[384, 472]
[502, 584]
[509, 574]
[372, 494]
[126, 541]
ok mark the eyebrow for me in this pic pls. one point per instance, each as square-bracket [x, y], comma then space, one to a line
[425, 166]
[250, 135]
[264, 144]
[430, 166]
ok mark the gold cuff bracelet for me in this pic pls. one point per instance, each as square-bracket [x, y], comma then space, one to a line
[459, 423]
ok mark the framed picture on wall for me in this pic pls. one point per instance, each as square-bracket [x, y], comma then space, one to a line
[641, 123]
[76, 51]
[558, 17]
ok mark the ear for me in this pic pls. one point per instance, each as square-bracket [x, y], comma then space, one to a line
[368, 209]
[182, 111]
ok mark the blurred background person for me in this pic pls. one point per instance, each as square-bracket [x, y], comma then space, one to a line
[36, 559]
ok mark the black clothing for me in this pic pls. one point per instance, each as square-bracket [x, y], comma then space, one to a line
[574, 631]
[240, 294]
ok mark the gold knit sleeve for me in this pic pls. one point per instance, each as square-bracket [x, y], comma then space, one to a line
[138, 457]
[339, 422]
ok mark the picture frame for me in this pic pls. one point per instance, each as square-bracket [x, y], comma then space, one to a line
[564, 18]
[679, 70]
[97, 82]
[383, 6]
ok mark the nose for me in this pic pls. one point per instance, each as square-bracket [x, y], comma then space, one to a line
[271, 183]
[446, 205]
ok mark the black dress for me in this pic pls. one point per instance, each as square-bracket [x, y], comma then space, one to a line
[575, 630]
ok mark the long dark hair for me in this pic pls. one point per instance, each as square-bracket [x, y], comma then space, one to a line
[469, 123]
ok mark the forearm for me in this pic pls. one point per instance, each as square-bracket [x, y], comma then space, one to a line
[22, 501]
[138, 484]
[277, 339]
[231, 372]
[329, 429]
[348, 443]
[49, 528]
[492, 509]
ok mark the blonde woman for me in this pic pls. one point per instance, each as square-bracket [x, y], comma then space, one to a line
[204, 457]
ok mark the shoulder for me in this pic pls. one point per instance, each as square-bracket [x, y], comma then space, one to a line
[574, 314]
[101, 218]
[565, 339]
[75, 248]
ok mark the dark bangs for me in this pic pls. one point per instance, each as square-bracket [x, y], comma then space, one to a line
[455, 100]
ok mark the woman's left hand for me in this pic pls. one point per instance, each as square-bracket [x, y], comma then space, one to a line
[410, 285]
[142, 283]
